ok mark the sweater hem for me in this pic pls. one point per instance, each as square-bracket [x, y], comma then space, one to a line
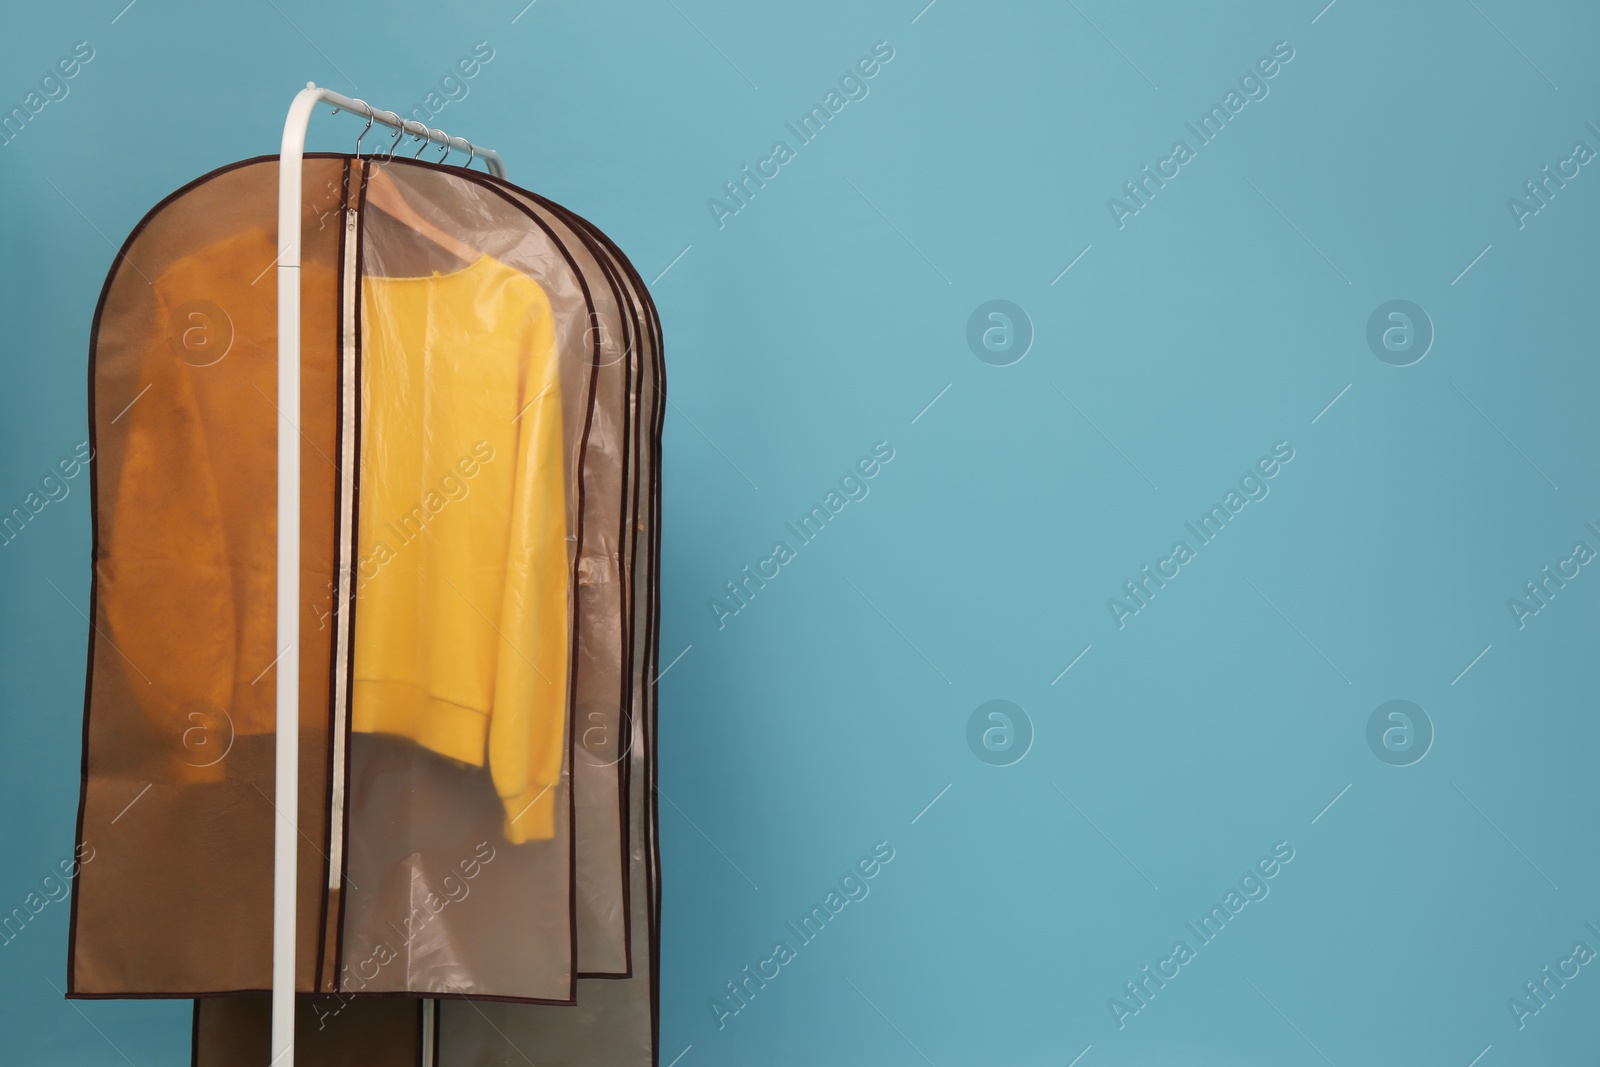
[439, 725]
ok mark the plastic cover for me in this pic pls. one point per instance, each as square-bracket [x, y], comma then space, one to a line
[476, 416]
[179, 708]
[482, 406]
[614, 1022]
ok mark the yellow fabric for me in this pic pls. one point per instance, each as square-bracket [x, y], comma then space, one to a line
[462, 572]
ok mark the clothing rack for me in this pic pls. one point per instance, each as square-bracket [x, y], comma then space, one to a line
[287, 781]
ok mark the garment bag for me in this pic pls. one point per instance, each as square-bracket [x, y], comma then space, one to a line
[427, 811]
[476, 380]
[179, 707]
[615, 1022]
[481, 415]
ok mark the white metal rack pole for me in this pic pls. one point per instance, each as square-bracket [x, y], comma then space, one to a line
[287, 788]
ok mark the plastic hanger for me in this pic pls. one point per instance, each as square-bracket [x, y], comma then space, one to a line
[385, 195]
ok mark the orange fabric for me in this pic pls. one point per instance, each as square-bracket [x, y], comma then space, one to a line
[192, 513]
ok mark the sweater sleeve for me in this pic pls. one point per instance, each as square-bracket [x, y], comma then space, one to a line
[528, 720]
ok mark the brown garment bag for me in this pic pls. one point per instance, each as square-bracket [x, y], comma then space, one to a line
[557, 938]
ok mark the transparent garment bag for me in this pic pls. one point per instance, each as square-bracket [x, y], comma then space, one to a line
[176, 806]
[602, 698]
[181, 687]
[458, 868]
[614, 1020]
[481, 423]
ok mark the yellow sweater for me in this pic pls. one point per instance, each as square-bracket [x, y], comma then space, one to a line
[461, 627]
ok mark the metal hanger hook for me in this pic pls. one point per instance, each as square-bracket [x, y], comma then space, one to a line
[399, 132]
[448, 145]
[364, 129]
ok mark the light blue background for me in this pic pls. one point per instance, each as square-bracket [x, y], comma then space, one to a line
[824, 317]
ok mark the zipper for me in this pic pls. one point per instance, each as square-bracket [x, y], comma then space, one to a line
[348, 400]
